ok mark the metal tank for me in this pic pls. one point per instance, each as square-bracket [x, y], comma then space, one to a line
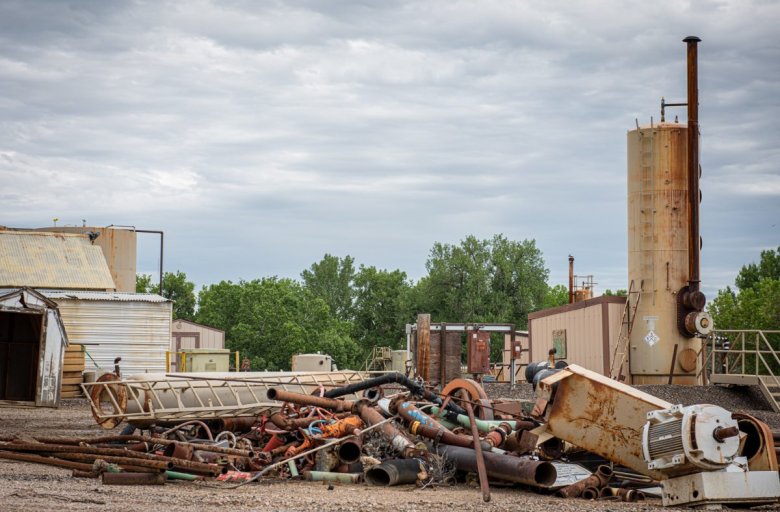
[663, 248]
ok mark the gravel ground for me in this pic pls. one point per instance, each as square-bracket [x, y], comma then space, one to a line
[25, 487]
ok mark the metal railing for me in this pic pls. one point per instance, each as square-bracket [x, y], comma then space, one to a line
[747, 352]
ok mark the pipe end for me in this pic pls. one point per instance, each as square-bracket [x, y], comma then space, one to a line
[692, 39]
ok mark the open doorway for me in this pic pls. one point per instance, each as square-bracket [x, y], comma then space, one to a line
[20, 344]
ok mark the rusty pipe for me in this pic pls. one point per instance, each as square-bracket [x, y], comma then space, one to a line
[237, 424]
[76, 441]
[133, 478]
[502, 467]
[590, 493]
[423, 425]
[49, 461]
[153, 464]
[694, 278]
[350, 450]
[481, 471]
[571, 278]
[390, 432]
[280, 395]
[599, 479]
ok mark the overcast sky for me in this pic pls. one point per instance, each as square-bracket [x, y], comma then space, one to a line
[261, 135]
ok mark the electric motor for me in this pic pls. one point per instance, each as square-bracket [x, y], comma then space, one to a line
[690, 439]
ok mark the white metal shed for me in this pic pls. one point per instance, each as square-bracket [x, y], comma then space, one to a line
[133, 326]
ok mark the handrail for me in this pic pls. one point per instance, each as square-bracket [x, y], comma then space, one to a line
[746, 345]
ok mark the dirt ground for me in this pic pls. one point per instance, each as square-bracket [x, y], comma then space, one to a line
[25, 487]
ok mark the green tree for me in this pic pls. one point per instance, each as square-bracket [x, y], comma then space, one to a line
[557, 295]
[331, 280]
[272, 319]
[176, 287]
[617, 293]
[756, 303]
[495, 280]
[143, 283]
[381, 307]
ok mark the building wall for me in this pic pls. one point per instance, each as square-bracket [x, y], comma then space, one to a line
[138, 332]
[192, 335]
[591, 330]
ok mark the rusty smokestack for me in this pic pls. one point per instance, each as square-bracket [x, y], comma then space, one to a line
[694, 246]
[571, 278]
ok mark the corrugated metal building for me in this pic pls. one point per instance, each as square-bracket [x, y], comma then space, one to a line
[52, 260]
[583, 333]
[133, 326]
[32, 343]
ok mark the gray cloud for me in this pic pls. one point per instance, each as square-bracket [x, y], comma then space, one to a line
[261, 135]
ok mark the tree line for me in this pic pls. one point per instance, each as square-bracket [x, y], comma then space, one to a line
[345, 310]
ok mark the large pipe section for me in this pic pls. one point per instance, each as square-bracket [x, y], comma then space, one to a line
[502, 467]
[392, 378]
[693, 163]
[394, 472]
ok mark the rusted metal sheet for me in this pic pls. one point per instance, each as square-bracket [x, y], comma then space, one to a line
[478, 344]
[52, 260]
[600, 415]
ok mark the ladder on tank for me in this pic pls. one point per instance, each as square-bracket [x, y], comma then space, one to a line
[620, 355]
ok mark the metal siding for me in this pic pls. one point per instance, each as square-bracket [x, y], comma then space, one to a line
[209, 337]
[584, 341]
[52, 260]
[138, 332]
[111, 296]
[615, 321]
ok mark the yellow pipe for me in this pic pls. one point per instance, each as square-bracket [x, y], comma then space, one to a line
[167, 361]
[183, 362]
[238, 368]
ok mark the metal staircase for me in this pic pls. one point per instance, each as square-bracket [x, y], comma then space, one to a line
[381, 359]
[620, 354]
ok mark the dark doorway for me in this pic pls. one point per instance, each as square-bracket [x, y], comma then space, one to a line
[20, 343]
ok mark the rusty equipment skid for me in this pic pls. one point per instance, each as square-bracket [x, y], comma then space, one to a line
[145, 400]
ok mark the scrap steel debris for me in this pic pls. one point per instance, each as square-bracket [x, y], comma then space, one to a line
[392, 430]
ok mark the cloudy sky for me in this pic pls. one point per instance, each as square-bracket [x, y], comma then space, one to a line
[261, 135]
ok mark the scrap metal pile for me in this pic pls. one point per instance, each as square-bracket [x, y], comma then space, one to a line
[392, 430]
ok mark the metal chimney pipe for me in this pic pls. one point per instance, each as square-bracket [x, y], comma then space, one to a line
[693, 164]
[571, 278]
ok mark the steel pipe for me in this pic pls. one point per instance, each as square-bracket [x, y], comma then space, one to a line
[390, 432]
[328, 476]
[394, 472]
[590, 493]
[599, 479]
[133, 478]
[49, 461]
[502, 467]
[392, 378]
[280, 395]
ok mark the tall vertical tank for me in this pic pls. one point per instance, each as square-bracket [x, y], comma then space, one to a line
[658, 231]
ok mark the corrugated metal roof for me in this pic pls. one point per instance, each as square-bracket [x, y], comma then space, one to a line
[52, 260]
[110, 296]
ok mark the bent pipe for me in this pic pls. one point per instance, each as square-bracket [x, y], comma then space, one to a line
[394, 472]
[393, 378]
[599, 479]
[285, 423]
[502, 467]
[281, 395]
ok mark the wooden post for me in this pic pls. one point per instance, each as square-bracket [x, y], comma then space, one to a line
[423, 345]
